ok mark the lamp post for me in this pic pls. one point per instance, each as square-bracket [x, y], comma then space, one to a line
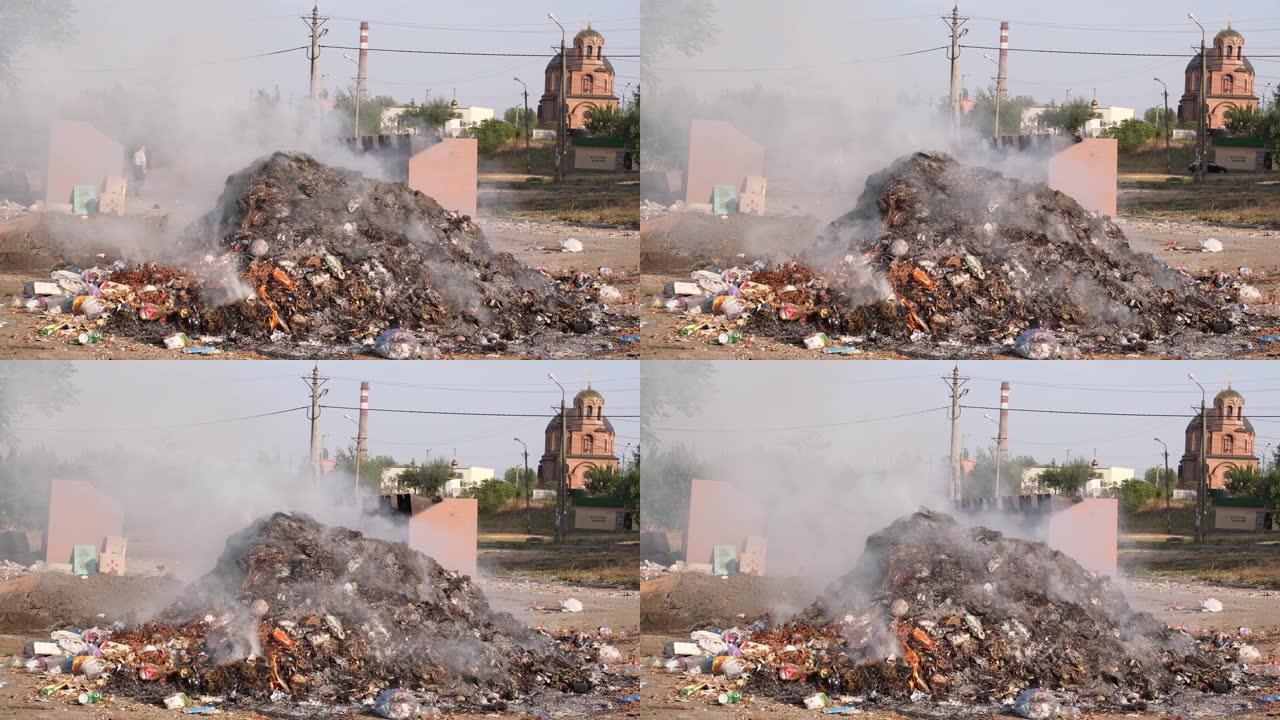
[528, 513]
[528, 156]
[562, 104]
[1168, 154]
[1203, 473]
[998, 458]
[1168, 490]
[563, 474]
[999, 90]
[1201, 129]
[358, 93]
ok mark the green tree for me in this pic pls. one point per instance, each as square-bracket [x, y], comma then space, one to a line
[1249, 482]
[1069, 479]
[371, 108]
[516, 116]
[1132, 134]
[1158, 477]
[518, 476]
[1070, 117]
[622, 483]
[428, 116]
[604, 121]
[983, 116]
[1134, 493]
[429, 477]
[492, 134]
[681, 25]
[1244, 121]
[492, 494]
[370, 469]
[1156, 116]
[981, 481]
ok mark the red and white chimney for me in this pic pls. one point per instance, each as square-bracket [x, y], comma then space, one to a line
[362, 73]
[1002, 435]
[1002, 75]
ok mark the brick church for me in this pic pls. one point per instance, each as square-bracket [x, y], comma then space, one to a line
[591, 81]
[1231, 80]
[1231, 442]
[591, 442]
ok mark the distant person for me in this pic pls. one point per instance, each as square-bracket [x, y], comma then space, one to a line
[139, 168]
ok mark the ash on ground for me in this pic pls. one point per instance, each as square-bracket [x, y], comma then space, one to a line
[938, 258]
[297, 614]
[300, 258]
[937, 614]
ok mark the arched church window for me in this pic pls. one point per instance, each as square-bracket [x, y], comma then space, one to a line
[1227, 84]
[587, 444]
[588, 51]
[587, 84]
[1228, 444]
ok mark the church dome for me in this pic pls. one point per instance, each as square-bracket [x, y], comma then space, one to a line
[587, 394]
[590, 34]
[1228, 394]
[1227, 34]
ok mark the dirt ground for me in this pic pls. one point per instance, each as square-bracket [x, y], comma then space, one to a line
[610, 560]
[674, 245]
[585, 197]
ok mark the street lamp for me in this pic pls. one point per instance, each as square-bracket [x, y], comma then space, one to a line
[357, 80]
[1168, 490]
[358, 454]
[1204, 463]
[564, 462]
[563, 105]
[998, 89]
[528, 513]
[1168, 156]
[1201, 129]
[528, 154]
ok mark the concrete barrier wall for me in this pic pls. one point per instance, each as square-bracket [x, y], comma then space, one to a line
[79, 514]
[719, 154]
[719, 515]
[1087, 171]
[79, 155]
[448, 172]
[446, 532]
[1088, 532]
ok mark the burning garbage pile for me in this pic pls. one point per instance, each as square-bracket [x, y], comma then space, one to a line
[298, 251]
[302, 612]
[937, 611]
[938, 252]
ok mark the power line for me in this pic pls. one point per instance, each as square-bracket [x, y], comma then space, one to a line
[1100, 413]
[843, 423]
[216, 61]
[166, 426]
[456, 52]
[800, 67]
[1109, 53]
[461, 413]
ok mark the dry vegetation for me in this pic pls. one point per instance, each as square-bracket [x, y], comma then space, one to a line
[1233, 198]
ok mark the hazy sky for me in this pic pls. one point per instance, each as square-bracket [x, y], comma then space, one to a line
[821, 46]
[169, 39]
[744, 404]
[145, 406]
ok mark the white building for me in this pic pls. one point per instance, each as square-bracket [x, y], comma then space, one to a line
[467, 118]
[1110, 117]
[1033, 122]
[465, 478]
[1104, 482]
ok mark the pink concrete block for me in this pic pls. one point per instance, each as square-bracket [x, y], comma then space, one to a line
[719, 154]
[1088, 532]
[446, 532]
[79, 514]
[719, 514]
[79, 155]
[1087, 171]
[448, 172]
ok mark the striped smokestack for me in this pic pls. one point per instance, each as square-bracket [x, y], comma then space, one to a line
[362, 435]
[1002, 436]
[1002, 76]
[362, 73]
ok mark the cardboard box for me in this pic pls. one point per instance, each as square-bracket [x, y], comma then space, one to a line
[755, 184]
[111, 203]
[115, 544]
[84, 559]
[751, 203]
[115, 184]
[112, 563]
[751, 563]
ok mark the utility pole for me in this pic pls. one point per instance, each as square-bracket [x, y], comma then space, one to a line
[528, 154]
[562, 106]
[1203, 463]
[955, 383]
[1201, 123]
[315, 382]
[314, 22]
[528, 512]
[1168, 491]
[563, 462]
[954, 23]
[1168, 154]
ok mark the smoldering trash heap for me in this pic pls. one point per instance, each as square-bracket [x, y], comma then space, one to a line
[937, 611]
[299, 257]
[938, 257]
[300, 612]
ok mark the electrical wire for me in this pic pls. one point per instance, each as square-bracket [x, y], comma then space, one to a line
[843, 423]
[460, 413]
[1109, 53]
[216, 61]
[166, 426]
[800, 67]
[455, 52]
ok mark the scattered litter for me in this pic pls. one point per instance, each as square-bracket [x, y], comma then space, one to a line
[571, 605]
[570, 246]
[1210, 246]
[1212, 605]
